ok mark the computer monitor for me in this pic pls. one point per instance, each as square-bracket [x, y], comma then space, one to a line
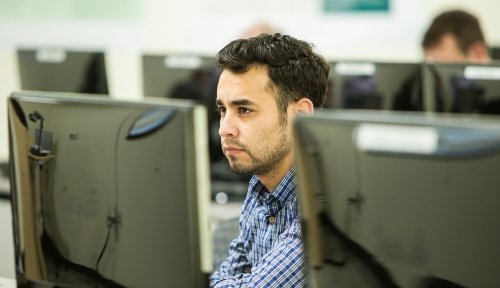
[462, 87]
[109, 193]
[393, 199]
[62, 70]
[189, 76]
[495, 52]
[177, 75]
[369, 85]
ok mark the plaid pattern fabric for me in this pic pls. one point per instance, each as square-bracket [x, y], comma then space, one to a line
[268, 251]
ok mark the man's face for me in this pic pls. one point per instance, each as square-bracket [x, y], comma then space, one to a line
[446, 50]
[253, 139]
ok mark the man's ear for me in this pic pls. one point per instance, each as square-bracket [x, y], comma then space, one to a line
[478, 52]
[304, 106]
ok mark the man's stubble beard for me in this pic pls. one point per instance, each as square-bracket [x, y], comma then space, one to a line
[270, 159]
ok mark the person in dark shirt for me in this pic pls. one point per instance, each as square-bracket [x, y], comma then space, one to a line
[454, 36]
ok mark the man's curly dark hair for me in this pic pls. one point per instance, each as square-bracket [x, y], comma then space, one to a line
[294, 69]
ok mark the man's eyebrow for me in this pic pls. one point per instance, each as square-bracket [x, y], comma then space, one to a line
[237, 102]
[242, 102]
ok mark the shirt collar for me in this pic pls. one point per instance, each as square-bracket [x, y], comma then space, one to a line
[283, 192]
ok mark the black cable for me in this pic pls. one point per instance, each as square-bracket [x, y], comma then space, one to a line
[111, 222]
[346, 231]
[352, 202]
[378, 270]
[103, 249]
[51, 250]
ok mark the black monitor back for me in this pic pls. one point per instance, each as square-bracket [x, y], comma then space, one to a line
[176, 75]
[60, 70]
[369, 85]
[462, 87]
[109, 193]
[495, 52]
[185, 76]
[399, 200]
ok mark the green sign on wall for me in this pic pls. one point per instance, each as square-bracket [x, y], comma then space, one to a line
[356, 5]
[53, 10]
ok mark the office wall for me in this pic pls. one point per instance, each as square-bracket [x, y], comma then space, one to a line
[206, 25]
[6, 242]
[215, 22]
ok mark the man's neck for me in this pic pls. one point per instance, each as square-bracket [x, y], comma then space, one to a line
[274, 177]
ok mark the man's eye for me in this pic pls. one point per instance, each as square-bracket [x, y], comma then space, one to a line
[220, 110]
[244, 110]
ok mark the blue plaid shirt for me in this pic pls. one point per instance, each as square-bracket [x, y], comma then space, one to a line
[268, 251]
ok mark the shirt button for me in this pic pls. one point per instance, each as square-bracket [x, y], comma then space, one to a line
[271, 219]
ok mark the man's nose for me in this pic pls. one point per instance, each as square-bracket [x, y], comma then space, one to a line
[227, 126]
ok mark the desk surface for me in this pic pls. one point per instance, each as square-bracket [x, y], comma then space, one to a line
[223, 212]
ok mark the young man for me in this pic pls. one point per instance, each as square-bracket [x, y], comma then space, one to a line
[455, 36]
[265, 82]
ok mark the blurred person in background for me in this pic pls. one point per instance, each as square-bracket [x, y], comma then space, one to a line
[455, 36]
